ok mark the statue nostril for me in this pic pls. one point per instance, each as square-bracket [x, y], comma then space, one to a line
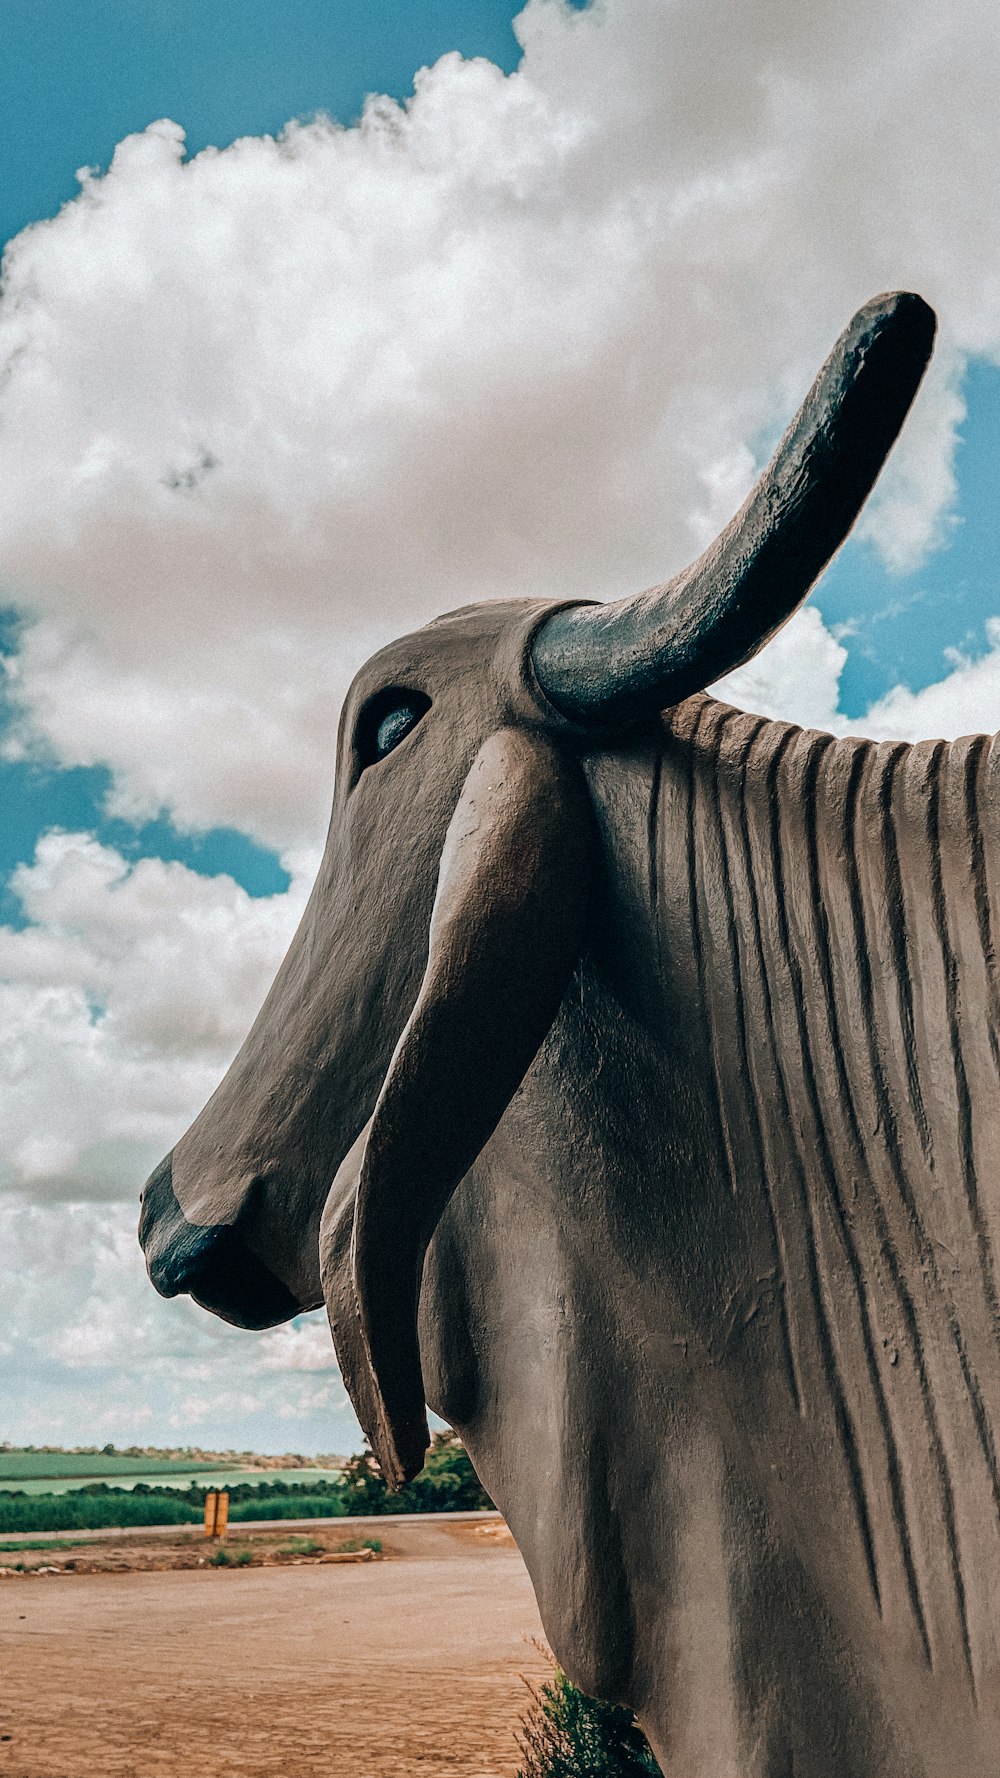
[179, 1253]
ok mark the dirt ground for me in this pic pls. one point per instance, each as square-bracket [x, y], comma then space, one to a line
[407, 1666]
[116, 1553]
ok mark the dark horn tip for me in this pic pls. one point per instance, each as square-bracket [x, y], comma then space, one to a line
[901, 321]
[905, 304]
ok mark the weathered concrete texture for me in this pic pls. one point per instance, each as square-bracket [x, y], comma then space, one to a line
[671, 1042]
[752, 1341]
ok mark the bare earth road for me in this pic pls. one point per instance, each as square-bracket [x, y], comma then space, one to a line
[404, 1668]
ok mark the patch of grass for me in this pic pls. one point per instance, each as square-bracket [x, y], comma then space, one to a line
[311, 1546]
[55, 1543]
[568, 1735]
[224, 1558]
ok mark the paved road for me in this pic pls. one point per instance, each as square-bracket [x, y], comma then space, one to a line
[366, 1521]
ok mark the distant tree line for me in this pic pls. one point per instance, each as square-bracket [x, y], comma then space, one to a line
[447, 1483]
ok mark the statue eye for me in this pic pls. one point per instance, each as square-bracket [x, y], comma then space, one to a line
[392, 728]
[386, 720]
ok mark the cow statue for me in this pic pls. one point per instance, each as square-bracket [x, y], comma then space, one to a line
[671, 1035]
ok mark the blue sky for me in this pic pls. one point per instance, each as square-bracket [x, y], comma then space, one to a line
[74, 79]
[78, 75]
[264, 408]
[899, 626]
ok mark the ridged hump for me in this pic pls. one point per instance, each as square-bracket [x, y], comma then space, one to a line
[841, 988]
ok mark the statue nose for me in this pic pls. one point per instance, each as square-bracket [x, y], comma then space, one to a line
[178, 1252]
[212, 1263]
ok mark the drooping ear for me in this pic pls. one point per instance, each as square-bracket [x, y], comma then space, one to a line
[505, 934]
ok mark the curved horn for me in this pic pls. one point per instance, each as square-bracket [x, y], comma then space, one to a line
[612, 664]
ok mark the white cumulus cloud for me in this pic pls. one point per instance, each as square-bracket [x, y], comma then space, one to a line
[268, 405]
[263, 408]
[121, 1005]
[966, 701]
[91, 1353]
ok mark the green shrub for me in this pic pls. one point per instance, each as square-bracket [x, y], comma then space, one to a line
[292, 1506]
[223, 1558]
[447, 1483]
[94, 1511]
[568, 1735]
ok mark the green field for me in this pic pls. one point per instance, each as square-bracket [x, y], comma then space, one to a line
[18, 1465]
[69, 1491]
[26, 1466]
[76, 1511]
[165, 1475]
[93, 1492]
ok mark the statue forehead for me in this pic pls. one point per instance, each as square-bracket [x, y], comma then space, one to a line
[462, 643]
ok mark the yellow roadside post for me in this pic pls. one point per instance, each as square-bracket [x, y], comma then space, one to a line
[216, 1512]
